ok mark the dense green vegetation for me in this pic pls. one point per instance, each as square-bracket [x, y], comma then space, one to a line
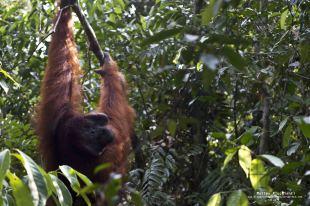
[221, 90]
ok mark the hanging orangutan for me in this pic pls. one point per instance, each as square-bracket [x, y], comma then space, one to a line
[67, 136]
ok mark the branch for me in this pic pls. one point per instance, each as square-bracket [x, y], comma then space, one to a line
[91, 36]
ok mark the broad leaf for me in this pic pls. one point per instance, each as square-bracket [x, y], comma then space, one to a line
[282, 124]
[71, 176]
[20, 191]
[304, 125]
[276, 161]
[283, 19]
[36, 180]
[172, 126]
[287, 136]
[210, 11]
[102, 167]
[237, 198]
[234, 58]
[63, 194]
[293, 148]
[230, 154]
[258, 175]
[245, 159]
[215, 200]
[8, 76]
[5, 161]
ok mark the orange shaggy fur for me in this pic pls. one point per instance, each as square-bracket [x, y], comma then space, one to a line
[61, 101]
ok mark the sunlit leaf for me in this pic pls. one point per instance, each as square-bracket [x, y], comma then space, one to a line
[5, 161]
[8, 76]
[36, 180]
[119, 3]
[63, 194]
[245, 158]
[215, 200]
[237, 198]
[21, 192]
[258, 174]
[71, 176]
[283, 19]
[84, 178]
[230, 154]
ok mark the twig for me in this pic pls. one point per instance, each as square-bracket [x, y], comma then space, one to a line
[91, 36]
[277, 43]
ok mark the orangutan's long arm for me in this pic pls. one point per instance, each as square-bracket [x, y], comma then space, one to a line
[60, 90]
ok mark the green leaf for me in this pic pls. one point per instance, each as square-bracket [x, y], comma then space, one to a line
[258, 175]
[237, 198]
[218, 135]
[4, 86]
[85, 179]
[304, 125]
[245, 159]
[215, 200]
[102, 167]
[136, 198]
[287, 136]
[276, 161]
[21, 192]
[63, 194]
[165, 34]
[71, 176]
[5, 161]
[49, 183]
[282, 124]
[172, 127]
[283, 19]
[8, 76]
[291, 167]
[234, 58]
[210, 11]
[119, 3]
[293, 148]
[230, 154]
[36, 180]
[247, 136]
[304, 49]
